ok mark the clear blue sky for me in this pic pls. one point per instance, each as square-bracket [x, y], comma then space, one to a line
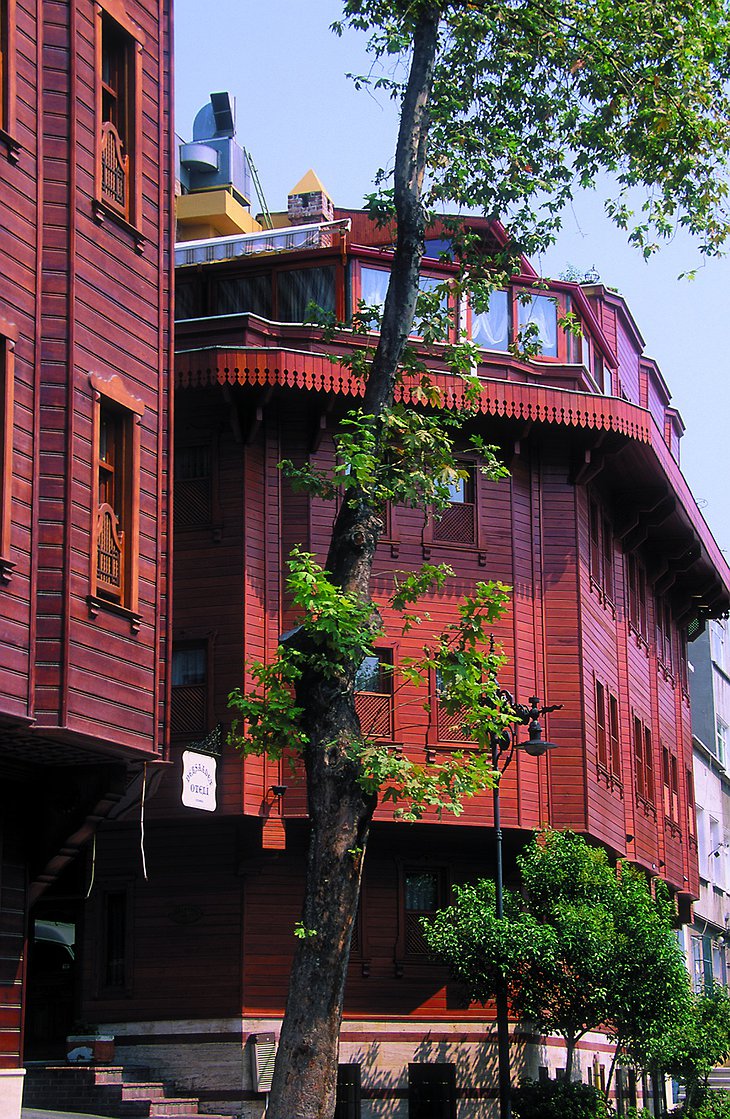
[296, 109]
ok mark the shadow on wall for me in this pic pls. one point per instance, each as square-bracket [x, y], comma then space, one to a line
[385, 1069]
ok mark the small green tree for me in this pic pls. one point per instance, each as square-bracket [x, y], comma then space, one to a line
[695, 1042]
[586, 947]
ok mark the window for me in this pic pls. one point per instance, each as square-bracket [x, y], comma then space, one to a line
[114, 943]
[7, 404]
[643, 762]
[721, 740]
[423, 893]
[608, 744]
[449, 725]
[374, 287]
[690, 788]
[720, 646]
[537, 320]
[457, 523]
[664, 634]
[115, 494]
[636, 580]
[189, 689]
[490, 329]
[8, 75]
[374, 695]
[600, 536]
[601, 737]
[431, 1091]
[298, 288]
[670, 781]
[193, 489]
[119, 45]
[232, 295]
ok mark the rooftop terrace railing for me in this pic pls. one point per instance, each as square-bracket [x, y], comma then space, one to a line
[323, 235]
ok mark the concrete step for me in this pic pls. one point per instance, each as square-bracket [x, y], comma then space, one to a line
[173, 1106]
[143, 1090]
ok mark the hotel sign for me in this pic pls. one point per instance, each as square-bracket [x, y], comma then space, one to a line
[198, 781]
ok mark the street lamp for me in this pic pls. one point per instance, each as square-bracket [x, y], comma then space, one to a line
[503, 747]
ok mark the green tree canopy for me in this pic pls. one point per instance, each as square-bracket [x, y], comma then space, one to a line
[584, 946]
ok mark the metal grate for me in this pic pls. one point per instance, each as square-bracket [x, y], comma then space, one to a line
[457, 525]
[375, 712]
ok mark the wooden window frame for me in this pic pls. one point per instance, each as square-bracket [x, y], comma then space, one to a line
[600, 551]
[8, 338]
[8, 79]
[614, 736]
[636, 595]
[386, 656]
[477, 545]
[559, 301]
[608, 733]
[104, 988]
[643, 751]
[130, 214]
[113, 395]
[601, 725]
[198, 641]
[408, 927]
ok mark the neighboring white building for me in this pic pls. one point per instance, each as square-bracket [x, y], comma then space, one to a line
[706, 941]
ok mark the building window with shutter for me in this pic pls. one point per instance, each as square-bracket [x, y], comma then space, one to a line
[600, 561]
[636, 593]
[458, 522]
[7, 403]
[115, 496]
[118, 87]
[643, 763]
[193, 487]
[374, 695]
[608, 731]
[423, 894]
[8, 69]
[189, 690]
[114, 944]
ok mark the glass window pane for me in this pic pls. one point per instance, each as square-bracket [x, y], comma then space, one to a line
[238, 294]
[302, 286]
[373, 286]
[421, 891]
[368, 676]
[490, 328]
[541, 311]
[188, 666]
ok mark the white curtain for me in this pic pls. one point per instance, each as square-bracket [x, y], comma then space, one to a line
[542, 311]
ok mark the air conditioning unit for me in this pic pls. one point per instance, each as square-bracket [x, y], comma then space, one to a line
[263, 1052]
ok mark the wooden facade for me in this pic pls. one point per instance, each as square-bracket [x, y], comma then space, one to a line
[85, 330]
[610, 564]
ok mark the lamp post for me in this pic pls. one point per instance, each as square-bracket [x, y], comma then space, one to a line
[503, 747]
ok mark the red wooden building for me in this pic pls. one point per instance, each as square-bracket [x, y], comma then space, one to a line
[611, 565]
[85, 327]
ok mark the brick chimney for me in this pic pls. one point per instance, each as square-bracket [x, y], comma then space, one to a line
[309, 202]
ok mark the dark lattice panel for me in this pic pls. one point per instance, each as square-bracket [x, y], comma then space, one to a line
[192, 502]
[187, 710]
[374, 710]
[457, 525]
[449, 727]
[415, 940]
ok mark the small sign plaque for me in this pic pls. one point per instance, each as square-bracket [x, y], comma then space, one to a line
[198, 781]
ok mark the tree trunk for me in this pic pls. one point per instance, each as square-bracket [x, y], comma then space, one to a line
[570, 1043]
[305, 1073]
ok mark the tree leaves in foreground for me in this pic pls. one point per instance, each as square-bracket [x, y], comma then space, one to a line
[584, 946]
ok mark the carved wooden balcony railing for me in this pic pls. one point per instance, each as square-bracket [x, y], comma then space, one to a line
[114, 170]
[109, 554]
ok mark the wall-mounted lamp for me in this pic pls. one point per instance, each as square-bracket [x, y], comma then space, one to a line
[629, 837]
[278, 790]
